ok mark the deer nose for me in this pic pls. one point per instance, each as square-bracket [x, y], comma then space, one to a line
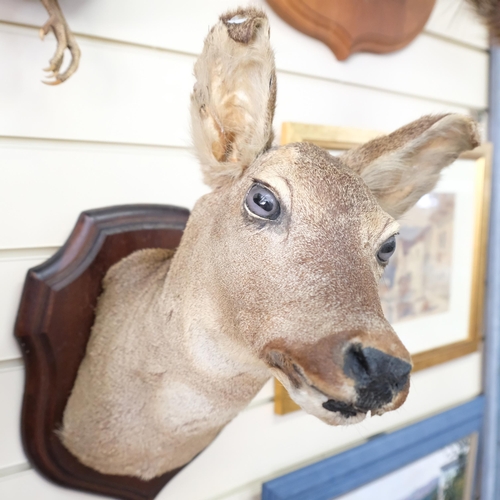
[378, 376]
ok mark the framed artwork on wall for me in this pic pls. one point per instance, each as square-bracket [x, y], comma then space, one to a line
[432, 292]
[431, 460]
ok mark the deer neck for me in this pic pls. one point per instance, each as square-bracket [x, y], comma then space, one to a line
[212, 354]
[162, 374]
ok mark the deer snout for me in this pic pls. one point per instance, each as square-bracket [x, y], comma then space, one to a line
[341, 377]
[379, 377]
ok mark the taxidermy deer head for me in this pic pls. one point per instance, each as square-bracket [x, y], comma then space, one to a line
[276, 274]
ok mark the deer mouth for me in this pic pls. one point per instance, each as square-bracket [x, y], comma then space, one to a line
[345, 409]
[337, 412]
[298, 382]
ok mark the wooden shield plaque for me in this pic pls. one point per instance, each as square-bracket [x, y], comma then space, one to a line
[349, 26]
[53, 327]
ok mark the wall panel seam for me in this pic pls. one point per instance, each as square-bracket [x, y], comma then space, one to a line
[384, 90]
[6, 472]
[455, 41]
[425, 32]
[84, 142]
[17, 254]
[11, 364]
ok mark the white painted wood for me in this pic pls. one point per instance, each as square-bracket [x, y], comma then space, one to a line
[122, 93]
[259, 445]
[12, 275]
[11, 393]
[428, 67]
[50, 184]
[265, 395]
[135, 95]
[164, 24]
[249, 492]
[161, 24]
[455, 19]
[29, 485]
[309, 100]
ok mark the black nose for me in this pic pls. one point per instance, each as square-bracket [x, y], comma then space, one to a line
[378, 376]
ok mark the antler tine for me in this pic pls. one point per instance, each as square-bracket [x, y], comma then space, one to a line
[65, 39]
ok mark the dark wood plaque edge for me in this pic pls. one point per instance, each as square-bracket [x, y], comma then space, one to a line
[335, 36]
[77, 254]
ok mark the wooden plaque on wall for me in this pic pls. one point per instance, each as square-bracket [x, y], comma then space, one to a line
[53, 326]
[349, 26]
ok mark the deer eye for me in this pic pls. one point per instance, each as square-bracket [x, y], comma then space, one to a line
[386, 250]
[262, 202]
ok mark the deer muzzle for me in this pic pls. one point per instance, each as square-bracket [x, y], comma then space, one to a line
[346, 375]
[379, 379]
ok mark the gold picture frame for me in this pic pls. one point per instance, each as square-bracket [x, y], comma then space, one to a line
[344, 138]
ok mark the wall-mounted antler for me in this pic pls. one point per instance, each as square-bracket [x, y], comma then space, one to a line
[65, 40]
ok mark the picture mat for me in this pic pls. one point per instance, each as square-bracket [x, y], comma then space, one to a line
[436, 330]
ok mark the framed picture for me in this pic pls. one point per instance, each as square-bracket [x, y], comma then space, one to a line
[431, 460]
[432, 292]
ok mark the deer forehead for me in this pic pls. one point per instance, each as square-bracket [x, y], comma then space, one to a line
[317, 191]
[326, 239]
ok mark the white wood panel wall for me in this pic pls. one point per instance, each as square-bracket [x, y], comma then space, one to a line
[118, 132]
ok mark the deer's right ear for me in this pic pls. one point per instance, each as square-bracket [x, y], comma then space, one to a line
[233, 100]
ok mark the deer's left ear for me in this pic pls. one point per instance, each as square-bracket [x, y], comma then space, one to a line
[232, 104]
[403, 166]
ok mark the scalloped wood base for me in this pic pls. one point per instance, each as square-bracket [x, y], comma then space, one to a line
[349, 26]
[53, 326]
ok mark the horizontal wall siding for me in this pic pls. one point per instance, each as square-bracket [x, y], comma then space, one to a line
[118, 132]
[29, 485]
[326, 102]
[456, 20]
[11, 391]
[409, 71]
[181, 28]
[80, 177]
[137, 95]
[141, 96]
[13, 270]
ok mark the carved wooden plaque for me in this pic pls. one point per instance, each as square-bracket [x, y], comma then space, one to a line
[349, 26]
[53, 327]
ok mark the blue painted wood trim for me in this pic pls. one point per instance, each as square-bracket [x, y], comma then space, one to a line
[490, 467]
[349, 470]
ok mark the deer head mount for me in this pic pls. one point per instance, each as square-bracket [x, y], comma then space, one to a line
[276, 274]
